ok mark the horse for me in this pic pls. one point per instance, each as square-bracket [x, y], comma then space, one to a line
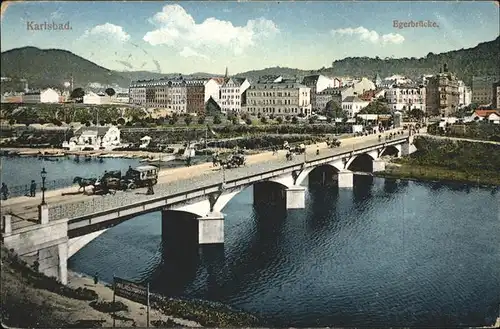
[84, 182]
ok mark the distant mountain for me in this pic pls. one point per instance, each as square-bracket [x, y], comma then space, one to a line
[465, 63]
[52, 67]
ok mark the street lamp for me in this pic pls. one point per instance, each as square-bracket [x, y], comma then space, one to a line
[44, 176]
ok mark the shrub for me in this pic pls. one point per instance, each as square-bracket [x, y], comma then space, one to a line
[108, 307]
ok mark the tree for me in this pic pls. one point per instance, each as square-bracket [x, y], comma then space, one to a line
[110, 92]
[77, 94]
[263, 119]
[120, 121]
[88, 124]
[217, 120]
[235, 120]
[248, 121]
[312, 120]
[333, 110]
[280, 120]
[201, 120]
[417, 114]
[376, 107]
[212, 108]
[288, 118]
[188, 119]
[295, 120]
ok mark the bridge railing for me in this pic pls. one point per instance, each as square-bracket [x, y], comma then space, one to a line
[24, 189]
[168, 191]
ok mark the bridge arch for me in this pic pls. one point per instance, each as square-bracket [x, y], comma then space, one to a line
[391, 150]
[361, 162]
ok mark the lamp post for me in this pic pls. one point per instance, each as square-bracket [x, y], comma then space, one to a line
[44, 176]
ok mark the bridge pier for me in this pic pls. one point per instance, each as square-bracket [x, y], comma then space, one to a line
[345, 179]
[295, 197]
[211, 228]
[43, 246]
[378, 165]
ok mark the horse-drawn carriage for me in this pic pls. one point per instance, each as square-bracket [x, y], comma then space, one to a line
[234, 160]
[333, 143]
[299, 149]
[141, 176]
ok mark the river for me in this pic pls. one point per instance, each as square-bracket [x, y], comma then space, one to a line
[386, 253]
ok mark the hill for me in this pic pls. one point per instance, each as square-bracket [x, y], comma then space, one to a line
[51, 67]
[479, 60]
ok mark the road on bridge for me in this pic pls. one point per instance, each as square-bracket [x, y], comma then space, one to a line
[170, 181]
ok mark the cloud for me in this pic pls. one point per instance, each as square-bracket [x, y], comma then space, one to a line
[56, 14]
[109, 31]
[372, 36]
[176, 28]
[189, 52]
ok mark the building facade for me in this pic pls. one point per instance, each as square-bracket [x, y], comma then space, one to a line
[406, 97]
[329, 94]
[168, 94]
[195, 97]
[45, 96]
[232, 94]
[482, 89]
[317, 83]
[363, 85]
[464, 94]
[212, 89]
[284, 98]
[496, 95]
[442, 97]
[352, 105]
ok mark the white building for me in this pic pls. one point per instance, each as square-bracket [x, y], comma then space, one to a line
[317, 83]
[283, 98]
[96, 98]
[464, 94]
[352, 105]
[363, 85]
[122, 97]
[231, 94]
[212, 89]
[46, 96]
[405, 97]
[494, 118]
[97, 137]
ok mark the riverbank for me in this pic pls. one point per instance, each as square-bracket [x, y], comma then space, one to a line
[457, 161]
[435, 173]
[30, 299]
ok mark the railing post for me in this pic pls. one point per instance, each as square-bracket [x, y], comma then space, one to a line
[43, 214]
[7, 223]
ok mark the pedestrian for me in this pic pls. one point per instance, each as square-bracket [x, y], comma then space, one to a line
[150, 190]
[96, 278]
[33, 188]
[5, 191]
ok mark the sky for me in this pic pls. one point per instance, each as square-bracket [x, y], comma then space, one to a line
[208, 36]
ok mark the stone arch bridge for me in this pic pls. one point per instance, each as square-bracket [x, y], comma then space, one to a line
[64, 229]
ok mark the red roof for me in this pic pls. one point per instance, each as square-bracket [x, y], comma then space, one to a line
[485, 113]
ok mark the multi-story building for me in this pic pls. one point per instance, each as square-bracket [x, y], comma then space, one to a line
[406, 97]
[169, 94]
[45, 96]
[231, 93]
[317, 83]
[352, 105]
[363, 85]
[195, 96]
[464, 94]
[286, 97]
[482, 91]
[441, 93]
[329, 94]
[496, 95]
[212, 88]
